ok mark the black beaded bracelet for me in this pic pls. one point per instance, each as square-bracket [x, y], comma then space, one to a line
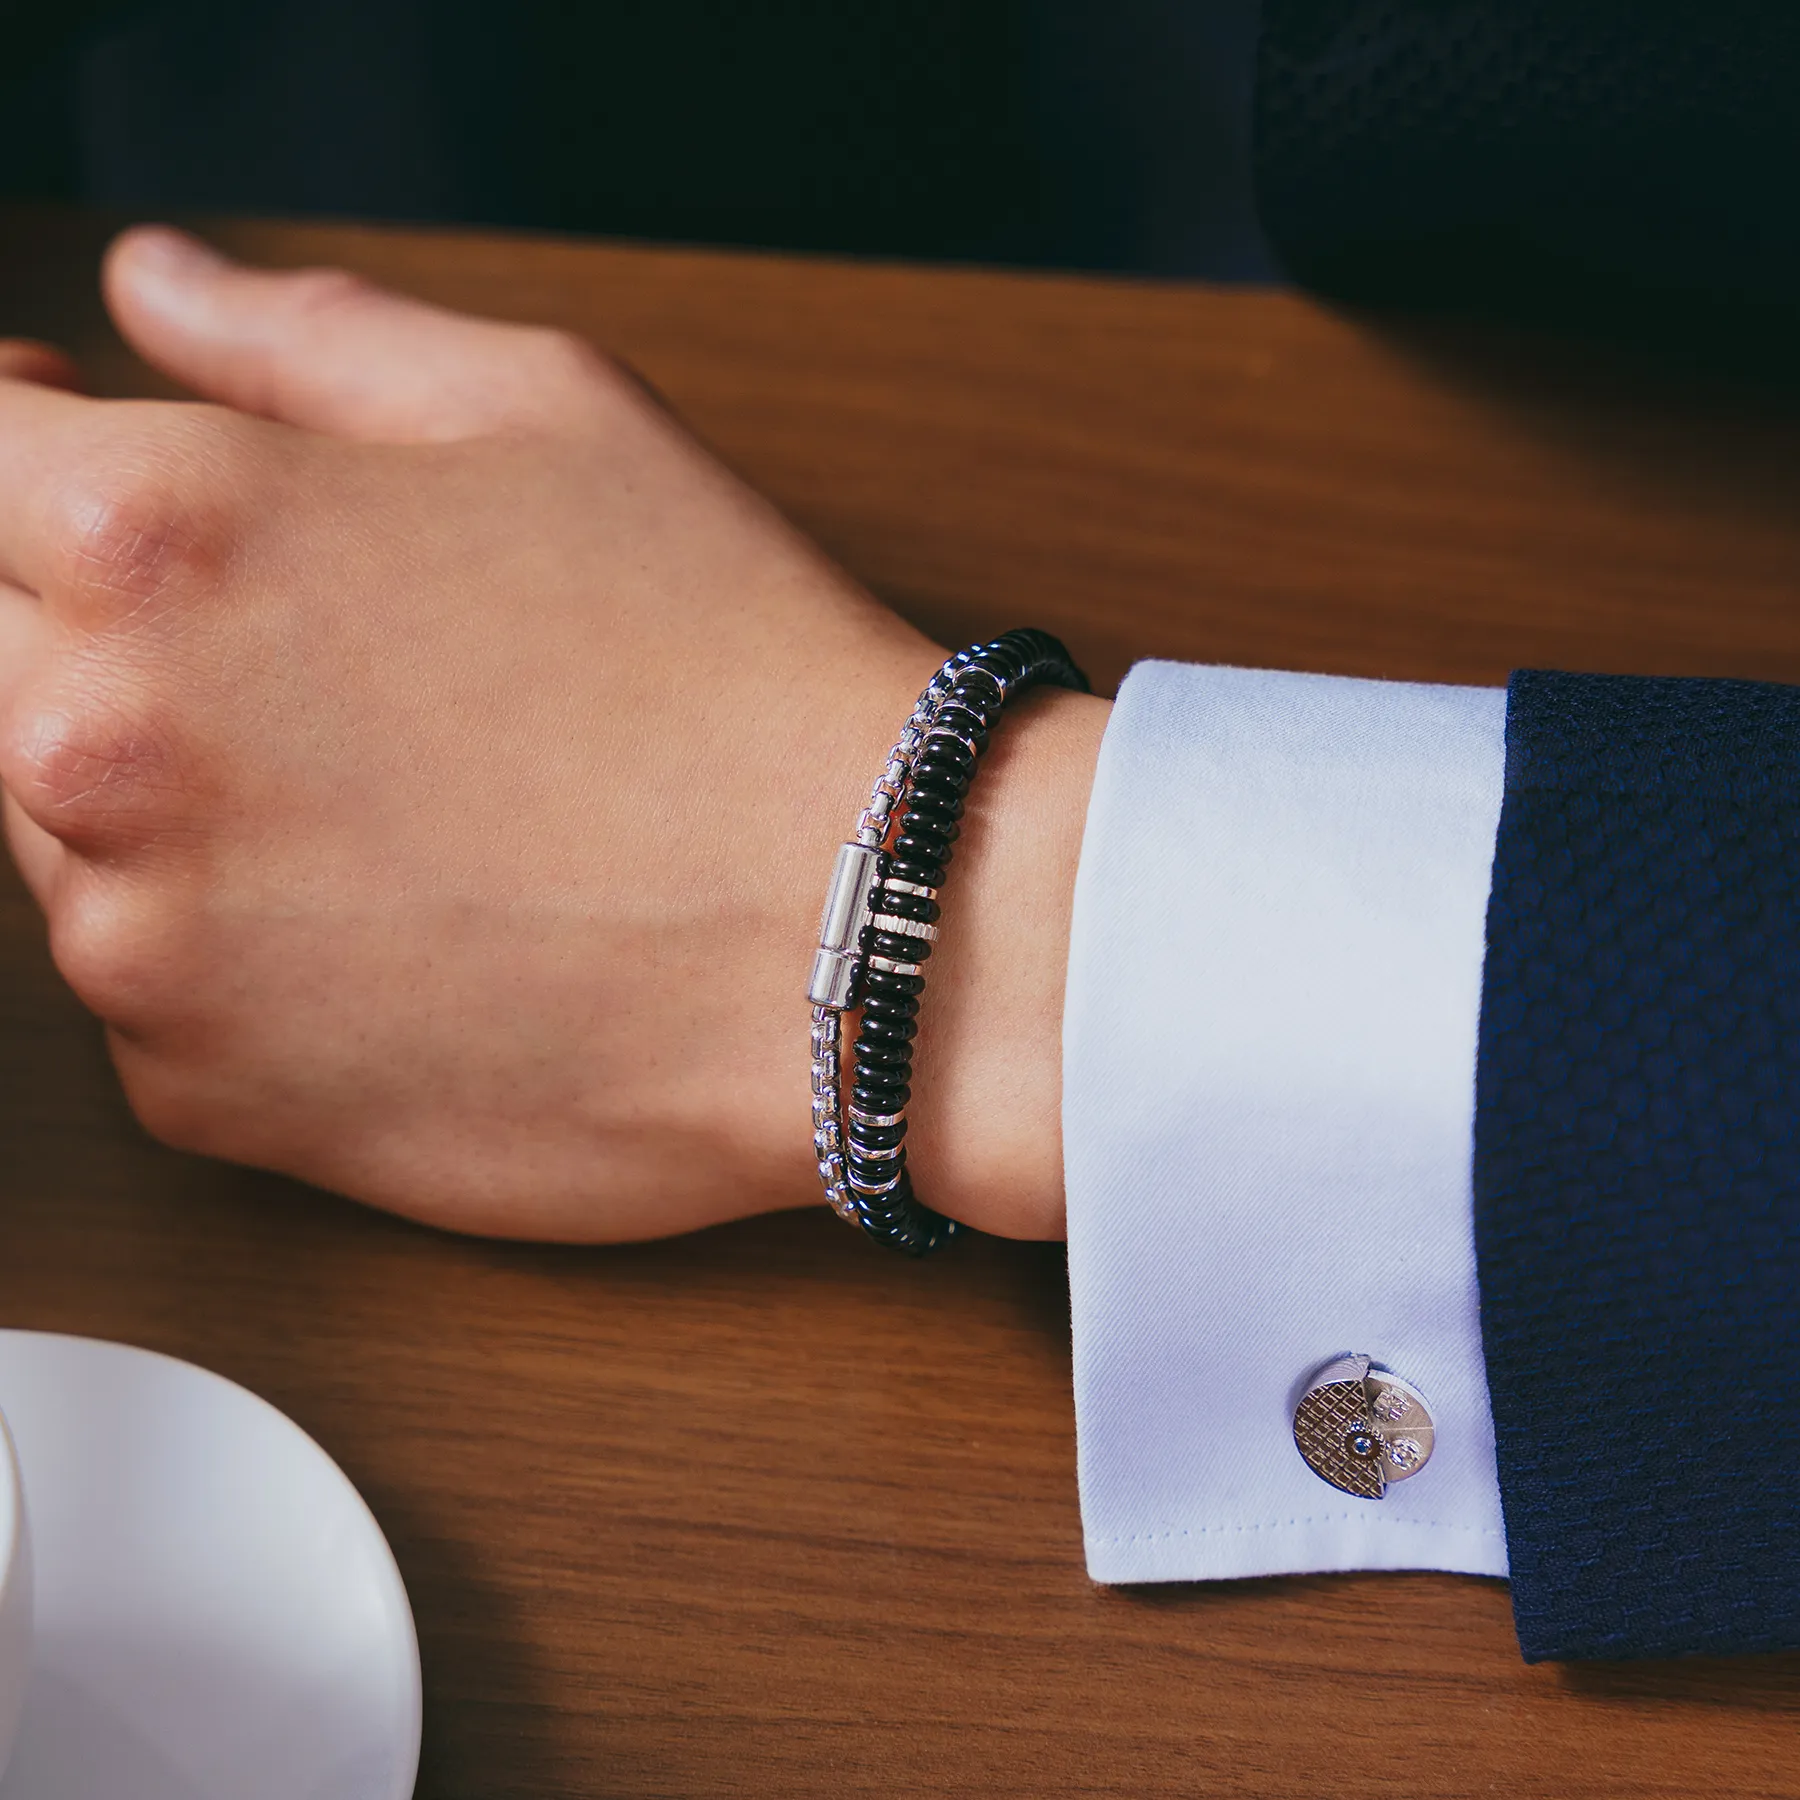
[880, 923]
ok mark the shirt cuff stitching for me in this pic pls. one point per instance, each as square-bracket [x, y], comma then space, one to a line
[1158, 1537]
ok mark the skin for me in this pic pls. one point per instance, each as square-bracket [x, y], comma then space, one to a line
[429, 761]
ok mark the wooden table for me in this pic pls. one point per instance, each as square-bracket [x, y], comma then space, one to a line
[664, 1535]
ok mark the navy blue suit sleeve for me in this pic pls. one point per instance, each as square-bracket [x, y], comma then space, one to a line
[1637, 1165]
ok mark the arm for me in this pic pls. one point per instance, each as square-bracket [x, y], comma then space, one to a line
[434, 795]
[432, 780]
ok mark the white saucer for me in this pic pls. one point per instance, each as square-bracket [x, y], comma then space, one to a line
[218, 1614]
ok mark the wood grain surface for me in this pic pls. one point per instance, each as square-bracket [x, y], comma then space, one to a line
[763, 1512]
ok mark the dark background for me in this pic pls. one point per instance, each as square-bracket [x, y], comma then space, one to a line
[1020, 131]
[1631, 166]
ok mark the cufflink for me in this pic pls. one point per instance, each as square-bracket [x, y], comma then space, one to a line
[1360, 1427]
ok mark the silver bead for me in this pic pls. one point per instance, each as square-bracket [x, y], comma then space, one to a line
[891, 1154]
[904, 927]
[998, 682]
[886, 1187]
[949, 731]
[867, 1118]
[894, 885]
[888, 966]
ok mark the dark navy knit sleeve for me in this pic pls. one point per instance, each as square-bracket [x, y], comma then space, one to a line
[1637, 1165]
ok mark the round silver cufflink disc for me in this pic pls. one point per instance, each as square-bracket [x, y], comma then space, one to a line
[1361, 1427]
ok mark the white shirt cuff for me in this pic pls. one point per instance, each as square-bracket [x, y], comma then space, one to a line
[1269, 1060]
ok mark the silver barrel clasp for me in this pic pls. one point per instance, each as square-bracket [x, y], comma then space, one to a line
[847, 911]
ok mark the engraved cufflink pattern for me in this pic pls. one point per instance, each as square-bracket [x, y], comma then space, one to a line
[1361, 1428]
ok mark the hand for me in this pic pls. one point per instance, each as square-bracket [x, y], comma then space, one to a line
[432, 780]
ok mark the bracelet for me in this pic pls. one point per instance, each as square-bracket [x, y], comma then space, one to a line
[881, 914]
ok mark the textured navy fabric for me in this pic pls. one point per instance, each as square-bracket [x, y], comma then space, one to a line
[1637, 1164]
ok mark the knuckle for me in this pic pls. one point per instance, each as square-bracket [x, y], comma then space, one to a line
[84, 770]
[155, 514]
[126, 537]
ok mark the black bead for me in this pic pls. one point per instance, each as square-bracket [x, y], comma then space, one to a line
[923, 815]
[894, 987]
[896, 946]
[938, 771]
[874, 1137]
[943, 759]
[989, 659]
[950, 810]
[907, 906]
[897, 1005]
[890, 1026]
[899, 1221]
[891, 1006]
[978, 689]
[882, 1048]
[920, 828]
[929, 849]
[890, 989]
[873, 1170]
[974, 690]
[881, 1101]
[880, 1028]
[933, 779]
[947, 747]
[1012, 653]
[882, 1079]
[937, 787]
[958, 716]
[926, 845]
[922, 818]
[925, 874]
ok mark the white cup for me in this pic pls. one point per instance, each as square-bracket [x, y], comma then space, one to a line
[15, 1597]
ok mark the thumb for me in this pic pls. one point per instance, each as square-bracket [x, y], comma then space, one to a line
[322, 349]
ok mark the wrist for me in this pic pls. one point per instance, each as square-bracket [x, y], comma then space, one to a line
[986, 1135]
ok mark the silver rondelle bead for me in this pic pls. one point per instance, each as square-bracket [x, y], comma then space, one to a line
[888, 966]
[904, 927]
